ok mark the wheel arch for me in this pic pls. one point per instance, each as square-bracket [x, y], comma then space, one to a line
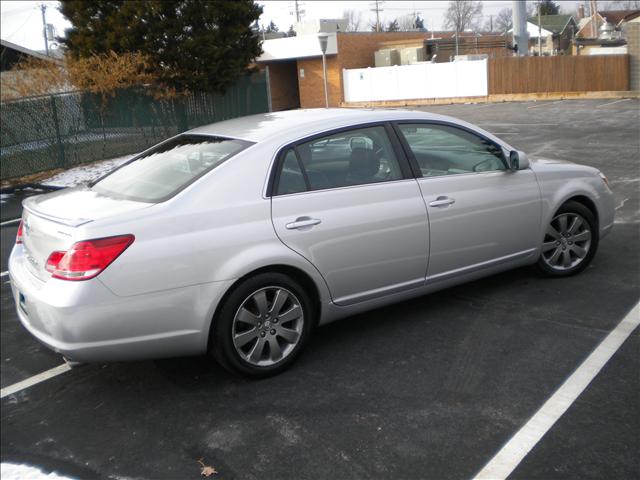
[586, 202]
[297, 274]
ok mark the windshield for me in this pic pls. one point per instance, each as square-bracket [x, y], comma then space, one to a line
[167, 169]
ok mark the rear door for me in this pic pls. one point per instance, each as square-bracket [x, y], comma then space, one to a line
[348, 203]
[481, 214]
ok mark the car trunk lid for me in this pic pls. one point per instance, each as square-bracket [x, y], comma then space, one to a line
[50, 221]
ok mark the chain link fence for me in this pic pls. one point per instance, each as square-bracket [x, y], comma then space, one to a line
[67, 129]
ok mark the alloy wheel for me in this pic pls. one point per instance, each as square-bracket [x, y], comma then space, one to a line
[267, 326]
[567, 241]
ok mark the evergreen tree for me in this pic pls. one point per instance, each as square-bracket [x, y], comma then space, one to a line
[192, 45]
[548, 7]
[419, 24]
[291, 32]
[271, 28]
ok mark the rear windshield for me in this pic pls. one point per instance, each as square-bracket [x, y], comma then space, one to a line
[168, 168]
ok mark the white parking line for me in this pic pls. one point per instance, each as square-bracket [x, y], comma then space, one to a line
[514, 451]
[31, 381]
[4, 274]
[10, 222]
[611, 103]
[545, 104]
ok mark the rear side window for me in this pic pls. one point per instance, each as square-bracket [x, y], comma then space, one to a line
[353, 157]
[169, 168]
[291, 177]
[445, 150]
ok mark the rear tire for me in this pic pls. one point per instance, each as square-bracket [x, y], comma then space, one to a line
[570, 241]
[262, 326]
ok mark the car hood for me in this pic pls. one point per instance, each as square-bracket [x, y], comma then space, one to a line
[550, 161]
[79, 205]
[553, 165]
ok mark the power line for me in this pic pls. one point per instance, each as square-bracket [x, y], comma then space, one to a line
[33, 9]
[17, 10]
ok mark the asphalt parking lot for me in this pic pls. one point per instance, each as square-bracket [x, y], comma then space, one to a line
[431, 388]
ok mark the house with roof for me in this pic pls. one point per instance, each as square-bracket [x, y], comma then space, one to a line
[11, 55]
[604, 33]
[555, 32]
[612, 20]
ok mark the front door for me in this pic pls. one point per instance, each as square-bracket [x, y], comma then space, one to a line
[346, 203]
[480, 213]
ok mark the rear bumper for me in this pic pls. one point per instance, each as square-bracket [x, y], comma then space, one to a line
[87, 322]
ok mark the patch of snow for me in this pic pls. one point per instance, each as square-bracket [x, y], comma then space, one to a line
[5, 196]
[12, 471]
[84, 173]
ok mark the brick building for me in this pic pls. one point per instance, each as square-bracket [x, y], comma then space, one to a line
[294, 65]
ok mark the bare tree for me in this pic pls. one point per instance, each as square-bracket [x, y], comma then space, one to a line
[623, 4]
[463, 15]
[354, 20]
[504, 20]
[406, 23]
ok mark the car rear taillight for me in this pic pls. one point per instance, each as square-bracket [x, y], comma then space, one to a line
[19, 234]
[86, 259]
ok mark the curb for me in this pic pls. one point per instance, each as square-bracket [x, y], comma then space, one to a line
[497, 98]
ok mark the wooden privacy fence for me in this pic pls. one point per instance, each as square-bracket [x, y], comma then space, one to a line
[585, 73]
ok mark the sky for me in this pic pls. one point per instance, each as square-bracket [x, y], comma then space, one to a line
[22, 20]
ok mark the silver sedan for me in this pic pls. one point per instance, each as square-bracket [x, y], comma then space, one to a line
[237, 239]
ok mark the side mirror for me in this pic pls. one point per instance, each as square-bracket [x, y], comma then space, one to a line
[518, 160]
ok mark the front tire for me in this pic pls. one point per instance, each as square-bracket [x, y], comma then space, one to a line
[262, 326]
[570, 241]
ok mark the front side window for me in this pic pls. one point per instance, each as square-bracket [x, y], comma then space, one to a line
[354, 157]
[167, 169]
[446, 150]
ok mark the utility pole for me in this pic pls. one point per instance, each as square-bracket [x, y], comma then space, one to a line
[43, 7]
[491, 23]
[520, 34]
[539, 29]
[377, 9]
[299, 11]
[593, 6]
[457, 39]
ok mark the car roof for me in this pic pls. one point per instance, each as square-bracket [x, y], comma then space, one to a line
[293, 124]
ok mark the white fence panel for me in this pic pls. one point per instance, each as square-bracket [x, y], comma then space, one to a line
[412, 80]
[441, 80]
[471, 78]
[384, 82]
[424, 80]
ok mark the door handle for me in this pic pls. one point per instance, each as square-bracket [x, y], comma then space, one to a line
[442, 202]
[302, 222]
